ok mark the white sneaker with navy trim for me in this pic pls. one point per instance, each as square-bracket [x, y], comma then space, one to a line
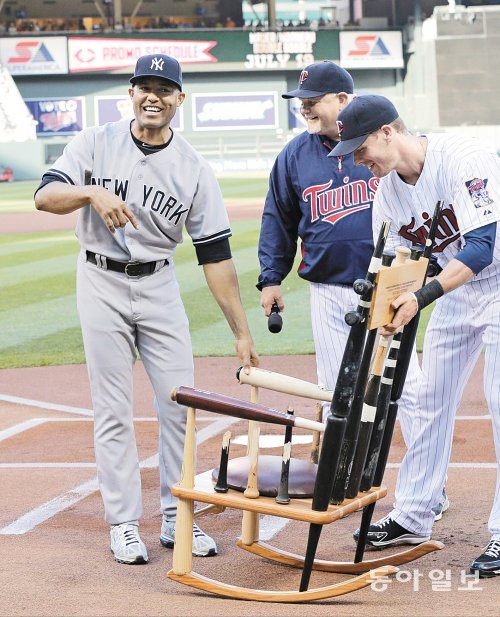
[126, 544]
[203, 545]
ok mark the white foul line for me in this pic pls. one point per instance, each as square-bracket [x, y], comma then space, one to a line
[29, 424]
[29, 521]
[20, 428]
[38, 515]
[42, 405]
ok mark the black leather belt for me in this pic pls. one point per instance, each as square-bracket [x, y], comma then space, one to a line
[131, 268]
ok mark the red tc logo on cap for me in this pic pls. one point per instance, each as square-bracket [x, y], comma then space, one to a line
[303, 76]
[340, 127]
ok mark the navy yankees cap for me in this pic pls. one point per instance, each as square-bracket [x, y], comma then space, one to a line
[158, 65]
[321, 78]
[364, 115]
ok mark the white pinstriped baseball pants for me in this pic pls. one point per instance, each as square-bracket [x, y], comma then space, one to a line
[118, 315]
[329, 304]
[461, 323]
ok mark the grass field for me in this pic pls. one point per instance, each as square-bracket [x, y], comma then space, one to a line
[38, 318]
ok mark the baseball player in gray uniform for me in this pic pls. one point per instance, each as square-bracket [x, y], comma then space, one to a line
[137, 185]
[416, 172]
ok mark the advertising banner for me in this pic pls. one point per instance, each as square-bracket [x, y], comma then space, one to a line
[295, 118]
[112, 108]
[371, 50]
[38, 55]
[105, 54]
[57, 116]
[235, 110]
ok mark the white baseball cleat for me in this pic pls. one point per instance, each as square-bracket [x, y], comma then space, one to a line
[126, 544]
[203, 545]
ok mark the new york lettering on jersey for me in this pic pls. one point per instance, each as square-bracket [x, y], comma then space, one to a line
[154, 199]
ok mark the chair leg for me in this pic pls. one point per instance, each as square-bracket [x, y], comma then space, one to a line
[366, 519]
[249, 528]
[250, 521]
[183, 548]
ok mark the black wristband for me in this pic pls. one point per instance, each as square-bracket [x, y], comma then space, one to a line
[430, 292]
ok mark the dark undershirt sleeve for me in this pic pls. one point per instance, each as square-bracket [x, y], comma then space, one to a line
[47, 179]
[477, 253]
[220, 250]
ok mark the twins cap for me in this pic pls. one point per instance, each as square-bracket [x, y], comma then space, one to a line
[158, 65]
[363, 115]
[321, 78]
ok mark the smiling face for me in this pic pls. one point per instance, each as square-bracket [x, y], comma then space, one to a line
[376, 153]
[155, 102]
[321, 112]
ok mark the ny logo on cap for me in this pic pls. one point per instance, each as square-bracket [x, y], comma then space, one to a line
[303, 76]
[340, 127]
[157, 64]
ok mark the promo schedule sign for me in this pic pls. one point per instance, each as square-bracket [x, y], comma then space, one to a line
[105, 54]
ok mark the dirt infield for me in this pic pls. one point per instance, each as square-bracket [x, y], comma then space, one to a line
[31, 222]
[54, 544]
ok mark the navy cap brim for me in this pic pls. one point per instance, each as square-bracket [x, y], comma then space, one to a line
[137, 77]
[346, 147]
[302, 94]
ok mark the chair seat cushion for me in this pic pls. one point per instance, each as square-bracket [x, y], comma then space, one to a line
[301, 480]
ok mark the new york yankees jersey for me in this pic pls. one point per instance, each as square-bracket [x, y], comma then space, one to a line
[165, 190]
[466, 176]
[327, 207]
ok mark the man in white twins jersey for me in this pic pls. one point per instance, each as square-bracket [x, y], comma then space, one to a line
[416, 172]
[137, 184]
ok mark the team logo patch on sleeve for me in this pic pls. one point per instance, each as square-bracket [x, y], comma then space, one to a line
[478, 193]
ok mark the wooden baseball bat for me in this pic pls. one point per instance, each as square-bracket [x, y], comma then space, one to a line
[283, 383]
[221, 486]
[229, 406]
[283, 496]
[252, 489]
[314, 455]
[367, 419]
[379, 423]
[250, 520]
